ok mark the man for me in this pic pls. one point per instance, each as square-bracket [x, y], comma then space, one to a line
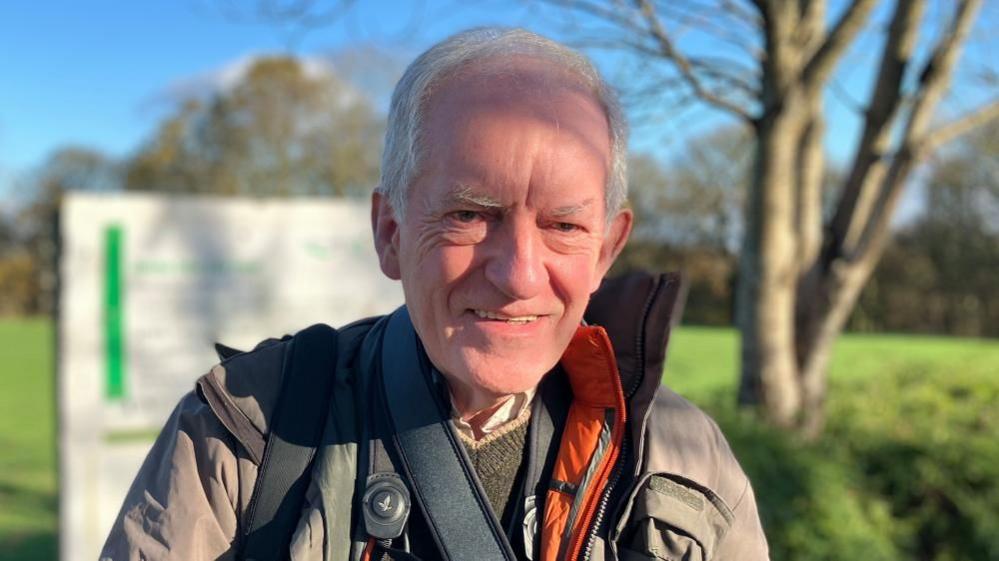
[500, 210]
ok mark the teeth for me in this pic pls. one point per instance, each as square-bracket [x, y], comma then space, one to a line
[517, 320]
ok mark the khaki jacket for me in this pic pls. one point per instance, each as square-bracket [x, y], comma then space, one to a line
[686, 499]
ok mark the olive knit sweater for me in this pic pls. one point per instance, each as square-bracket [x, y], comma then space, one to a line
[497, 458]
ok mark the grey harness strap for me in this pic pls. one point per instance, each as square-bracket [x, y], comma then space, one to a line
[300, 414]
[438, 469]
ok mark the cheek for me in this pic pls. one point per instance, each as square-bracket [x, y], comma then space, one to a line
[440, 276]
[455, 262]
[572, 276]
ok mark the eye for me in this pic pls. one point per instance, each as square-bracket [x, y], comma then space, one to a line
[566, 227]
[465, 216]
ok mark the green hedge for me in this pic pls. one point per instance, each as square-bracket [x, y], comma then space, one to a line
[908, 469]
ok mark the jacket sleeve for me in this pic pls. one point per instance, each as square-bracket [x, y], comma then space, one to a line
[183, 503]
[745, 539]
[686, 442]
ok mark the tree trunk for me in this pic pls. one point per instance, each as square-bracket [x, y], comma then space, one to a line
[768, 273]
[799, 278]
[795, 294]
[828, 299]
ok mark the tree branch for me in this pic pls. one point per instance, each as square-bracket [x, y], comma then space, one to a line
[742, 14]
[737, 38]
[849, 25]
[962, 125]
[725, 20]
[615, 17]
[844, 97]
[743, 81]
[935, 77]
[669, 51]
[868, 166]
[916, 141]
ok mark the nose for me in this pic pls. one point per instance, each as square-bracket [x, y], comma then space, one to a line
[516, 266]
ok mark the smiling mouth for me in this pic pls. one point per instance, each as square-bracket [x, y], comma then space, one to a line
[514, 320]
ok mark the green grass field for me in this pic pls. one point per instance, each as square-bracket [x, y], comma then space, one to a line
[701, 360]
[27, 437]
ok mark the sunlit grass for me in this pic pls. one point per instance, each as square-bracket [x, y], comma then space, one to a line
[700, 361]
[27, 438]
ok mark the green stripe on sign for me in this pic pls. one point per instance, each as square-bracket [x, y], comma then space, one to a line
[114, 336]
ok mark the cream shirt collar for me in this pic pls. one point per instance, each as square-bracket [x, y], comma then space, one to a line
[508, 411]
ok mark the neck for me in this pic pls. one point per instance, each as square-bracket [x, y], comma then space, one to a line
[472, 403]
[477, 419]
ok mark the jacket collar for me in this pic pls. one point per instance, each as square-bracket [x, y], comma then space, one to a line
[638, 311]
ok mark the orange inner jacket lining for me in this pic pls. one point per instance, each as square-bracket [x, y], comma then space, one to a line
[596, 385]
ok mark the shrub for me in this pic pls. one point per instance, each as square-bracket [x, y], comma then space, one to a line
[810, 500]
[908, 469]
[928, 444]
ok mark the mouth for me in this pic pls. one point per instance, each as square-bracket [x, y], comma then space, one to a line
[512, 320]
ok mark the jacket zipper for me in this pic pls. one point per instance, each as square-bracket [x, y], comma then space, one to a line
[590, 510]
[598, 519]
[616, 475]
[640, 337]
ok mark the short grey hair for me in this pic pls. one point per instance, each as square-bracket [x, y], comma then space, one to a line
[402, 153]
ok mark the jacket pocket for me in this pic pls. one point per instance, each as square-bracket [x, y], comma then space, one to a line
[668, 517]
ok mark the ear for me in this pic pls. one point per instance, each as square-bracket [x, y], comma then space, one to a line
[386, 231]
[614, 239]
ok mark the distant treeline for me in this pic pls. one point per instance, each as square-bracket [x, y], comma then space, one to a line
[930, 280]
[319, 137]
[939, 273]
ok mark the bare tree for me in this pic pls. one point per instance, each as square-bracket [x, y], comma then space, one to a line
[292, 19]
[769, 63]
[295, 20]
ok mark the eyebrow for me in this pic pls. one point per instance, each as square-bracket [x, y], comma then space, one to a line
[466, 195]
[569, 210]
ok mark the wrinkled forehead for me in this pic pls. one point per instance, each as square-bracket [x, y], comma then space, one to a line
[514, 92]
[515, 80]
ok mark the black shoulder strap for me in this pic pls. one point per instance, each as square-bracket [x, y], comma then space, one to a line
[225, 352]
[441, 477]
[297, 428]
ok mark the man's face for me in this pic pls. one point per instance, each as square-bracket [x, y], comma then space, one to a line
[505, 235]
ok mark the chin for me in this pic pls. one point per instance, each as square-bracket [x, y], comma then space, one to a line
[501, 377]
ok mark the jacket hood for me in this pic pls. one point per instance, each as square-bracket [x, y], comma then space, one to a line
[638, 311]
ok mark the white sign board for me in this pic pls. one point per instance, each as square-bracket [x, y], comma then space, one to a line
[149, 283]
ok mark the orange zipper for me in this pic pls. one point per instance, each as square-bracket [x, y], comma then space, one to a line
[598, 486]
[368, 550]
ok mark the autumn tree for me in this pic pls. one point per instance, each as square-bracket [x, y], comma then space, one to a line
[16, 271]
[28, 269]
[769, 63]
[284, 128]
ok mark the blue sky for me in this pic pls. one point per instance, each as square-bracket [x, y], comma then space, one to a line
[98, 73]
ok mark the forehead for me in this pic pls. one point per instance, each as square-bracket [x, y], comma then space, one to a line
[519, 118]
[517, 85]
